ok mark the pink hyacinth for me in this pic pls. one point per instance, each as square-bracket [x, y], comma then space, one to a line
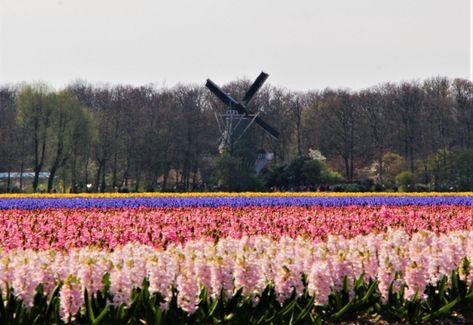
[91, 274]
[71, 299]
[247, 270]
[162, 270]
[416, 281]
[221, 278]
[63, 229]
[188, 288]
[288, 271]
[25, 276]
[320, 282]
[251, 263]
[121, 285]
[286, 282]
[45, 273]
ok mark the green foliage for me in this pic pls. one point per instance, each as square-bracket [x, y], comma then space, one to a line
[33, 106]
[275, 176]
[405, 181]
[235, 173]
[384, 172]
[451, 170]
[421, 187]
[58, 127]
[441, 170]
[295, 171]
[311, 171]
[73, 131]
[330, 176]
[464, 170]
[302, 171]
[348, 187]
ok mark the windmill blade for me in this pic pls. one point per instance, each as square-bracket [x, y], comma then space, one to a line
[268, 128]
[240, 107]
[225, 98]
[255, 87]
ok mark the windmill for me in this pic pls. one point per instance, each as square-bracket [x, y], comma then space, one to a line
[234, 123]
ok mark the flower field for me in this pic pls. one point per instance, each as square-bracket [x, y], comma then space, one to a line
[222, 258]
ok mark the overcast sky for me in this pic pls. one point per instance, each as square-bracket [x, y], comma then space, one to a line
[302, 44]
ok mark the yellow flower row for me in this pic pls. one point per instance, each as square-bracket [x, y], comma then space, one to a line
[247, 194]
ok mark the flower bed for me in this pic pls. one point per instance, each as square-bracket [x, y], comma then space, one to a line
[246, 259]
[32, 203]
[108, 228]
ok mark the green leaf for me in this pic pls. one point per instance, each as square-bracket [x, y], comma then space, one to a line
[262, 320]
[101, 316]
[121, 312]
[159, 316]
[442, 311]
[286, 309]
[2, 307]
[359, 281]
[470, 294]
[342, 311]
[443, 282]
[345, 285]
[229, 316]
[445, 309]
[19, 312]
[369, 293]
[291, 320]
[52, 301]
[455, 282]
[88, 306]
[306, 310]
[338, 300]
[35, 321]
[213, 307]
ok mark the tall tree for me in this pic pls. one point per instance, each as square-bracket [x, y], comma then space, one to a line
[462, 90]
[12, 137]
[408, 107]
[71, 127]
[34, 105]
[437, 123]
[339, 127]
[375, 125]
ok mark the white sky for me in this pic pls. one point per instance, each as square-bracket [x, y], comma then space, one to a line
[302, 44]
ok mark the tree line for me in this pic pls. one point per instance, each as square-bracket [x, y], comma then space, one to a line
[415, 135]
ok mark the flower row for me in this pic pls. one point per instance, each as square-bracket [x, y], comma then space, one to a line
[226, 194]
[231, 201]
[109, 228]
[394, 260]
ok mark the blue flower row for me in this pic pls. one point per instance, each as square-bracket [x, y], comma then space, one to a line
[235, 201]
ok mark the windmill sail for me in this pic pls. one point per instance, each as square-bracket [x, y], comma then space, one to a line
[241, 108]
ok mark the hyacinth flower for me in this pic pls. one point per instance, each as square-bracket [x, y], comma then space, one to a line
[64, 229]
[71, 298]
[33, 203]
[395, 262]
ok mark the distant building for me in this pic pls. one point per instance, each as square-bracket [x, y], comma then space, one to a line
[262, 159]
[15, 178]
